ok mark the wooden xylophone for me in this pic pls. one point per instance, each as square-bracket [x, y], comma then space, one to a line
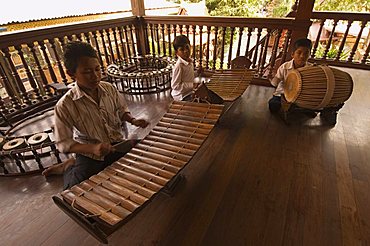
[230, 84]
[109, 198]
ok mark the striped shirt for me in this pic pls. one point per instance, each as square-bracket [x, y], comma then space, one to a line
[78, 118]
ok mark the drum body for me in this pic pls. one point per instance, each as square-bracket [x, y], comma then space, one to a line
[318, 87]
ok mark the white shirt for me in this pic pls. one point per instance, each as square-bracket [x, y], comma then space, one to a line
[281, 76]
[182, 79]
[78, 118]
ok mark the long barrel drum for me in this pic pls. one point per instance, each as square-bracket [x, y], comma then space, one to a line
[230, 84]
[317, 87]
[112, 195]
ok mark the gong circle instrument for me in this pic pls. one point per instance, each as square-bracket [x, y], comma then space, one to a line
[27, 154]
[15, 143]
[2, 141]
[317, 87]
[145, 74]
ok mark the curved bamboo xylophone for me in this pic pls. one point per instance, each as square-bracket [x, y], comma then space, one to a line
[230, 84]
[111, 196]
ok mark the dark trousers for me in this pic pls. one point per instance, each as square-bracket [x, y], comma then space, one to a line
[275, 104]
[86, 167]
[188, 98]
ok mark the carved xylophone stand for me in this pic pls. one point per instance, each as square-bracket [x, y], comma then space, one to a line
[98, 230]
[170, 187]
[91, 226]
[203, 95]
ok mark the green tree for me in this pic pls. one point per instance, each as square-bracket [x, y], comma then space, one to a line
[276, 8]
[246, 8]
[279, 8]
[343, 5]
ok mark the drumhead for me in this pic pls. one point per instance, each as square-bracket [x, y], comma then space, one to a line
[292, 86]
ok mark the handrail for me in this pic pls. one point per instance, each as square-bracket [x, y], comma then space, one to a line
[340, 15]
[27, 36]
[222, 21]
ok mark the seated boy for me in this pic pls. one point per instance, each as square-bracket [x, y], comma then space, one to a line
[301, 52]
[88, 118]
[300, 55]
[182, 83]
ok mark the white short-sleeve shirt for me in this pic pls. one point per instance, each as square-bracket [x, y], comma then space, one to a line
[182, 79]
[281, 76]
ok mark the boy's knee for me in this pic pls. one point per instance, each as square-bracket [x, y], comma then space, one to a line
[274, 107]
[274, 104]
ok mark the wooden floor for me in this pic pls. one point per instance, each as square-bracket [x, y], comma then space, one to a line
[255, 181]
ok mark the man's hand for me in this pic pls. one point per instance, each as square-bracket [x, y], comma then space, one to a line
[102, 149]
[140, 123]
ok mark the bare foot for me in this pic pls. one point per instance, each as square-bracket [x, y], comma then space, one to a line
[58, 169]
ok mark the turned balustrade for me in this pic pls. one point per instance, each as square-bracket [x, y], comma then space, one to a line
[217, 40]
[39, 54]
[346, 46]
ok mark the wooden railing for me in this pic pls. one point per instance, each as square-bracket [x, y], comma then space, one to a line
[341, 39]
[31, 61]
[217, 40]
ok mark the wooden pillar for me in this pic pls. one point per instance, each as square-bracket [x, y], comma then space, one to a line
[302, 21]
[142, 41]
[137, 7]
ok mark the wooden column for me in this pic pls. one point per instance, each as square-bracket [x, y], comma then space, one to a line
[302, 21]
[138, 8]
